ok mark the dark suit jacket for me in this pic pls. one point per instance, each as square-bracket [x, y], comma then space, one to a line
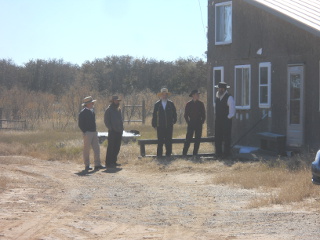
[164, 117]
[195, 113]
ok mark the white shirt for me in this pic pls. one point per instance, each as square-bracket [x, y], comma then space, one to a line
[91, 109]
[164, 103]
[230, 103]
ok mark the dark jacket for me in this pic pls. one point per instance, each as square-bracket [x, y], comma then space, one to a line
[195, 112]
[164, 118]
[222, 108]
[113, 118]
[87, 121]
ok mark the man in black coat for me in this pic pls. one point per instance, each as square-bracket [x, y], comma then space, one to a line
[87, 124]
[163, 118]
[114, 122]
[195, 115]
[225, 111]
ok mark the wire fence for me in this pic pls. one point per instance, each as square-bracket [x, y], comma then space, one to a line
[13, 124]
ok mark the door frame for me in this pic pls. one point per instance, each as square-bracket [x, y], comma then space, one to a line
[295, 132]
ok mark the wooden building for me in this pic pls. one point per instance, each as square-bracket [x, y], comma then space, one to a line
[268, 51]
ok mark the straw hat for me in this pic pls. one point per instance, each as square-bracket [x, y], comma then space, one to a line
[87, 100]
[163, 90]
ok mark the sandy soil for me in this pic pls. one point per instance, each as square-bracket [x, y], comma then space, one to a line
[54, 200]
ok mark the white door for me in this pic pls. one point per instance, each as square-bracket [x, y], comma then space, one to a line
[295, 129]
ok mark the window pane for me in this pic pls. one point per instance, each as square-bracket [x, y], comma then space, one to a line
[263, 75]
[295, 89]
[238, 89]
[217, 76]
[264, 94]
[294, 112]
[242, 86]
[228, 23]
[246, 90]
[295, 86]
[219, 24]
[223, 23]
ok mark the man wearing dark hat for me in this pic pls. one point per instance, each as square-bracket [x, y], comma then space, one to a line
[114, 122]
[87, 124]
[225, 111]
[163, 118]
[195, 116]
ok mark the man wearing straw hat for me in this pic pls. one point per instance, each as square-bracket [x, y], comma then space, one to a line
[225, 111]
[163, 118]
[114, 122]
[87, 124]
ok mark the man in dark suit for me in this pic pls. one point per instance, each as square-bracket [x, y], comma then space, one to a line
[195, 115]
[114, 122]
[163, 118]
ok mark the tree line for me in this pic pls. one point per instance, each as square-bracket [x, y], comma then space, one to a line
[45, 91]
[112, 74]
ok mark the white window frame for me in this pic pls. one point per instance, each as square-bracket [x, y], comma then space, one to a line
[242, 85]
[268, 84]
[219, 42]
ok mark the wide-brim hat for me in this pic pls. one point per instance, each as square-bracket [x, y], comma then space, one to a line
[194, 92]
[87, 100]
[113, 98]
[163, 90]
[222, 85]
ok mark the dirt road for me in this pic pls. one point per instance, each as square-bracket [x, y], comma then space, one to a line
[54, 200]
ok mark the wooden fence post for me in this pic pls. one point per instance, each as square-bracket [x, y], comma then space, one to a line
[0, 117]
[123, 106]
[143, 112]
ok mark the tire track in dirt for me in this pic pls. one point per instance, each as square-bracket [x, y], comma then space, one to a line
[55, 200]
[43, 197]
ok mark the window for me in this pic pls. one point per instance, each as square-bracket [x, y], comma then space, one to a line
[218, 76]
[265, 85]
[223, 23]
[242, 85]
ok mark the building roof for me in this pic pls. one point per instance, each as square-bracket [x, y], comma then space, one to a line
[303, 13]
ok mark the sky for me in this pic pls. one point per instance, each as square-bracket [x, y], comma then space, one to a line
[84, 30]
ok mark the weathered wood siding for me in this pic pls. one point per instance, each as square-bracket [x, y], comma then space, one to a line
[282, 44]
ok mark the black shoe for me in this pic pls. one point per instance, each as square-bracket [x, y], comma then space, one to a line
[99, 167]
[88, 168]
[111, 166]
[117, 164]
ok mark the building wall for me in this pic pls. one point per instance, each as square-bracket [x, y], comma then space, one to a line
[282, 44]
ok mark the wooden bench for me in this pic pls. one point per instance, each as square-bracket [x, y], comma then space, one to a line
[273, 142]
[144, 142]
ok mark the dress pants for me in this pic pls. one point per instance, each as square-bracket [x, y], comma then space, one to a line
[223, 135]
[90, 139]
[114, 144]
[195, 129]
[164, 137]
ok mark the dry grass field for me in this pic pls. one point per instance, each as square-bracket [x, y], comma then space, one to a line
[46, 195]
